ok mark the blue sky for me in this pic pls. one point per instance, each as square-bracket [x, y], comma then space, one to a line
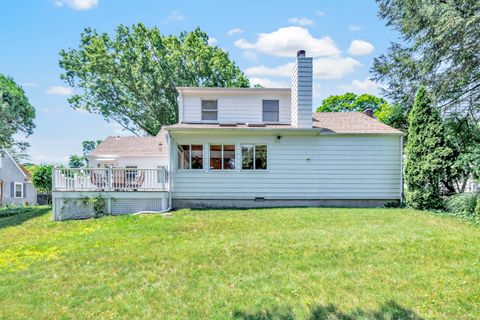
[344, 36]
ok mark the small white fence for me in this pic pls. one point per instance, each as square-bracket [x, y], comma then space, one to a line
[110, 179]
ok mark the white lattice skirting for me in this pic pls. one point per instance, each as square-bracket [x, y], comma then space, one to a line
[79, 205]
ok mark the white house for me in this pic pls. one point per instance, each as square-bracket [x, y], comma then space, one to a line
[243, 147]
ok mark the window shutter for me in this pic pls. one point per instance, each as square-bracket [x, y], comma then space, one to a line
[24, 190]
[12, 189]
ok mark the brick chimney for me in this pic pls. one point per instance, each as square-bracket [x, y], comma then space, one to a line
[302, 82]
[368, 112]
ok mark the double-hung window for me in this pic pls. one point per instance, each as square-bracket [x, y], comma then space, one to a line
[209, 110]
[254, 157]
[270, 110]
[222, 157]
[190, 156]
[18, 190]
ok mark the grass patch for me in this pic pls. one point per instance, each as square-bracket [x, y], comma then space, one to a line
[302, 263]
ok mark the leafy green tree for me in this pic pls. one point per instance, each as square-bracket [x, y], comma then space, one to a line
[75, 161]
[42, 179]
[351, 102]
[393, 115]
[17, 114]
[427, 155]
[131, 78]
[439, 48]
[89, 145]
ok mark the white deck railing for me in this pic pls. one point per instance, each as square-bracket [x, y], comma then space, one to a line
[111, 179]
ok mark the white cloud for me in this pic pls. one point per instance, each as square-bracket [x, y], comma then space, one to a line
[176, 16]
[353, 27]
[284, 70]
[360, 48]
[301, 21]
[286, 41]
[243, 44]
[250, 55]
[212, 41]
[362, 86]
[334, 68]
[77, 4]
[59, 91]
[234, 31]
[268, 83]
[323, 68]
[320, 13]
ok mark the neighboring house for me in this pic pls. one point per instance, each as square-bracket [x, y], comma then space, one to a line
[243, 147]
[16, 185]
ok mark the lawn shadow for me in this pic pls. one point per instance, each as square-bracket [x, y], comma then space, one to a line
[20, 218]
[387, 311]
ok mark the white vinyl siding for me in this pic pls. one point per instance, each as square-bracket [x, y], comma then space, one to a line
[235, 107]
[301, 167]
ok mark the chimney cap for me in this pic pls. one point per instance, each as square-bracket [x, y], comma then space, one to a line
[301, 54]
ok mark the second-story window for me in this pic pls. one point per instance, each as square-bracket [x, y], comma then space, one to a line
[270, 110]
[209, 110]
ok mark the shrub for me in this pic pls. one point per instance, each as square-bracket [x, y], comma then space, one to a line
[10, 210]
[467, 203]
[477, 208]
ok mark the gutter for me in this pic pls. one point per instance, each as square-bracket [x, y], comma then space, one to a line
[317, 131]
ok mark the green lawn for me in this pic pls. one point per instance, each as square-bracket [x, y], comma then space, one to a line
[243, 264]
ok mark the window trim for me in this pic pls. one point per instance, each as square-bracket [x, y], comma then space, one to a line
[222, 157]
[263, 111]
[254, 154]
[190, 156]
[210, 110]
[15, 184]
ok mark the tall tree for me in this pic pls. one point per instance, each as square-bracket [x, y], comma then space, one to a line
[17, 114]
[440, 50]
[42, 180]
[131, 78]
[440, 41]
[427, 155]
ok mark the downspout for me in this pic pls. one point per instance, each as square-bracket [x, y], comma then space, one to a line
[401, 169]
[54, 209]
[170, 166]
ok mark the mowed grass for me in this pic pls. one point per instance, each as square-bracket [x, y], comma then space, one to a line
[302, 263]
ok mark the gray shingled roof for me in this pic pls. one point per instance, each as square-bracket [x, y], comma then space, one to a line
[328, 122]
[132, 146]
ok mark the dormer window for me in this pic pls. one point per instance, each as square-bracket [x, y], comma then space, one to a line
[270, 110]
[209, 110]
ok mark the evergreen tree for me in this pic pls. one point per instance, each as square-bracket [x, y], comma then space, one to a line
[427, 154]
